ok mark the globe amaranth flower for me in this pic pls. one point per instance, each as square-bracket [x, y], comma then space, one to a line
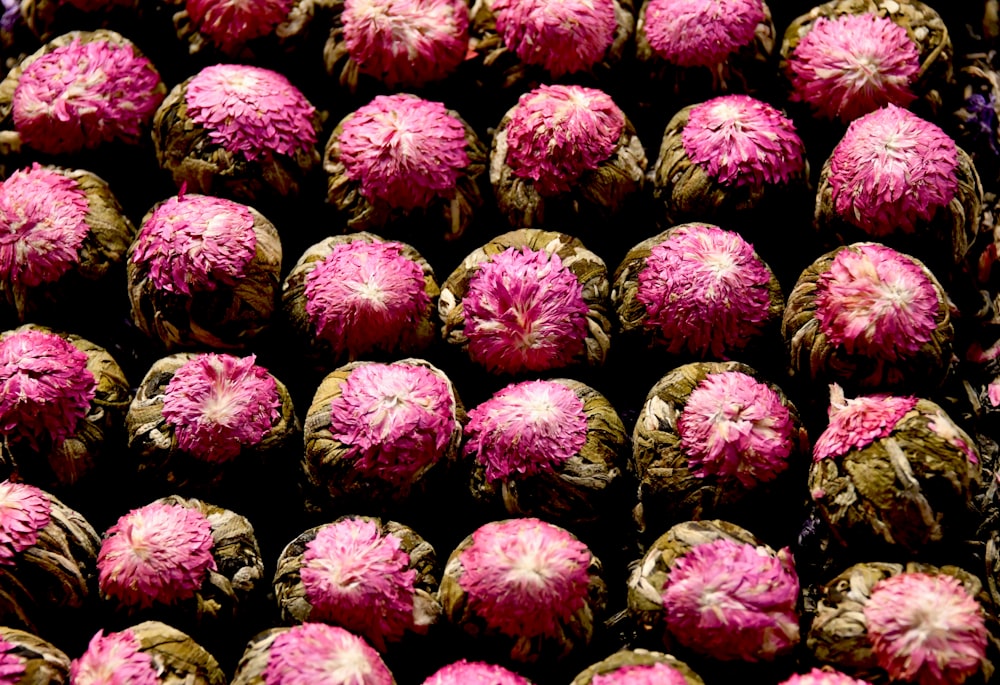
[24, 512]
[650, 674]
[704, 290]
[193, 243]
[524, 577]
[219, 405]
[524, 311]
[366, 296]
[229, 25]
[84, 94]
[404, 150]
[45, 387]
[692, 33]
[556, 134]
[12, 665]
[43, 222]
[891, 171]
[853, 64]
[406, 42]
[731, 600]
[317, 653]
[735, 427]
[159, 553]
[474, 673]
[395, 419]
[876, 302]
[526, 428]
[254, 112]
[858, 422]
[926, 629]
[741, 141]
[823, 677]
[562, 37]
[114, 659]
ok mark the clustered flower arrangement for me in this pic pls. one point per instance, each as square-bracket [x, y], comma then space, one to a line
[500, 342]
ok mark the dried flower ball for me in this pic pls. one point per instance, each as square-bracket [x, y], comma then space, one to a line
[79, 91]
[474, 673]
[376, 578]
[528, 301]
[308, 654]
[528, 587]
[203, 272]
[26, 659]
[48, 18]
[638, 667]
[823, 676]
[237, 130]
[401, 158]
[713, 588]
[232, 29]
[48, 554]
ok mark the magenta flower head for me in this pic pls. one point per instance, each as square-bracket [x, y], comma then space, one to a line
[12, 665]
[703, 33]
[82, 90]
[651, 674]
[561, 37]
[114, 659]
[475, 673]
[857, 422]
[24, 511]
[229, 26]
[317, 653]
[823, 677]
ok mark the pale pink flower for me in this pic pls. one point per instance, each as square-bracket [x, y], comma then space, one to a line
[366, 296]
[692, 33]
[45, 387]
[526, 428]
[229, 25]
[853, 64]
[942, 426]
[705, 291]
[739, 141]
[360, 579]
[524, 311]
[159, 553]
[219, 404]
[524, 577]
[556, 134]
[251, 111]
[406, 42]
[993, 393]
[733, 601]
[195, 242]
[891, 171]
[43, 222]
[82, 95]
[562, 37]
[12, 666]
[475, 673]
[735, 427]
[858, 422]
[24, 512]
[395, 420]
[926, 629]
[314, 653]
[876, 302]
[114, 659]
[823, 677]
[650, 674]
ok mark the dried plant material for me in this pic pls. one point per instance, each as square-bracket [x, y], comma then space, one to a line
[231, 29]
[976, 119]
[48, 18]
[638, 667]
[26, 659]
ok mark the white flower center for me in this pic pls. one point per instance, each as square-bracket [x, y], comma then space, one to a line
[347, 665]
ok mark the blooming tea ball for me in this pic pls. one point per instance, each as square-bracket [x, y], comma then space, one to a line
[638, 667]
[48, 18]
[825, 676]
[26, 659]
[475, 673]
[233, 29]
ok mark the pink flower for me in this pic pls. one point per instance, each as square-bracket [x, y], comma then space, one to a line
[525, 577]
[24, 512]
[526, 428]
[562, 37]
[823, 677]
[366, 296]
[406, 42]
[524, 311]
[474, 673]
[652, 674]
[403, 150]
[858, 422]
[43, 222]
[251, 111]
[84, 94]
[316, 653]
[45, 387]
[219, 404]
[160, 553]
[195, 242]
[876, 302]
[993, 393]
[891, 171]
[853, 64]
[730, 600]
[942, 425]
[12, 666]
[360, 579]
[692, 33]
[229, 25]
[705, 290]
[926, 629]
[556, 134]
[114, 659]
[741, 141]
[735, 427]
[395, 419]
